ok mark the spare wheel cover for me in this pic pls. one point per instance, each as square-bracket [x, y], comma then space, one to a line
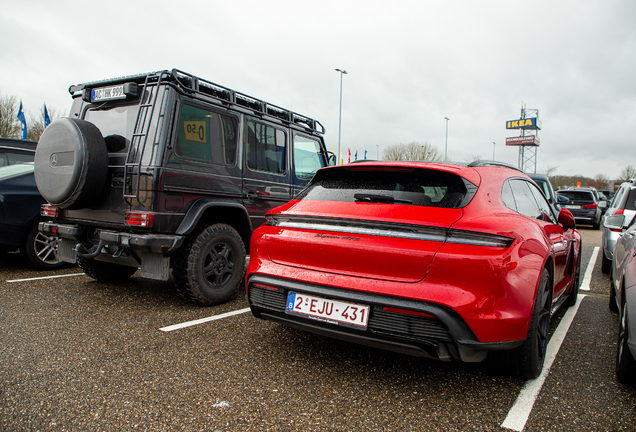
[71, 163]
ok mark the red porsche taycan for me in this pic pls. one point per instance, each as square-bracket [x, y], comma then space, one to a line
[440, 260]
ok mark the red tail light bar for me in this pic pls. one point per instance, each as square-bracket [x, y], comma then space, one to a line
[591, 206]
[139, 219]
[47, 210]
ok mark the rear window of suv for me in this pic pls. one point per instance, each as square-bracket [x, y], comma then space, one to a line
[422, 187]
[578, 195]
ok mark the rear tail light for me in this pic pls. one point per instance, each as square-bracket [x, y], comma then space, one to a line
[591, 206]
[140, 219]
[619, 212]
[47, 210]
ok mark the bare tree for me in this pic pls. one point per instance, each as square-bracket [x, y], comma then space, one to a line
[629, 172]
[601, 181]
[413, 151]
[550, 170]
[9, 123]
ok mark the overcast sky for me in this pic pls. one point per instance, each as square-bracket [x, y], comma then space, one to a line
[409, 64]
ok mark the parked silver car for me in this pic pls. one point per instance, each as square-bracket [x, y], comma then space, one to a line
[623, 297]
[624, 203]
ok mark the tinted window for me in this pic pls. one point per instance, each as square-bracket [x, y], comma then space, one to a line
[307, 157]
[526, 204]
[409, 187]
[205, 135]
[543, 204]
[630, 204]
[578, 195]
[16, 158]
[265, 147]
[507, 197]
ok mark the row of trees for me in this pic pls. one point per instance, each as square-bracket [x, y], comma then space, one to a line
[10, 125]
[417, 151]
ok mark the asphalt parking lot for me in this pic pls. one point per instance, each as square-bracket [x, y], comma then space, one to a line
[77, 355]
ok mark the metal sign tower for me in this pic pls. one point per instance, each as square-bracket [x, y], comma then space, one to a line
[528, 141]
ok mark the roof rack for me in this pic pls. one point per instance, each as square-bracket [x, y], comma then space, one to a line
[226, 96]
[483, 163]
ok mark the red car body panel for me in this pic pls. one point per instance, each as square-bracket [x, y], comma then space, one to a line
[492, 289]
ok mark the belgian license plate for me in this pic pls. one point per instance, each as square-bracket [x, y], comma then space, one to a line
[570, 206]
[333, 311]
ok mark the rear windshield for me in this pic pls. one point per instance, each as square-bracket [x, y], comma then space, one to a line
[422, 187]
[578, 195]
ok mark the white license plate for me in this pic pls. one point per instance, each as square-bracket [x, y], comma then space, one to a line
[333, 311]
[108, 93]
[572, 207]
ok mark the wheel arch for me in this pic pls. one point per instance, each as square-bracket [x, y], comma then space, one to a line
[208, 212]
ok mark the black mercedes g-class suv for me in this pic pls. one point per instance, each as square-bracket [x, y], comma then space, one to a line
[165, 170]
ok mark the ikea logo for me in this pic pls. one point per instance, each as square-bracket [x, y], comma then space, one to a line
[529, 123]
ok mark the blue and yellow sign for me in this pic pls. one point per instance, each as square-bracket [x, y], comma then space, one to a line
[528, 123]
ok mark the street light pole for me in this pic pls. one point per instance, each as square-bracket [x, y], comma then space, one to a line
[342, 72]
[377, 157]
[446, 148]
[493, 150]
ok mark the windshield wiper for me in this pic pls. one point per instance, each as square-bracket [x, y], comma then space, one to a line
[379, 198]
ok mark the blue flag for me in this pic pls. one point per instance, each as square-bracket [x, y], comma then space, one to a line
[365, 154]
[23, 126]
[356, 156]
[47, 119]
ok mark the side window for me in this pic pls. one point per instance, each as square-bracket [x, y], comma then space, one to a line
[307, 157]
[3, 160]
[526, 204]
[265, 146]
[206, 135]
[617, 198]
[507, 197]
[543, 204]
[16, 158]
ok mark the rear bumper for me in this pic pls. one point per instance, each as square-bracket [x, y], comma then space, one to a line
[153, 243]
[444, 337]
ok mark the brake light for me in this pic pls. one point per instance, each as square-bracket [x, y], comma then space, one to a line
[591, 206]
[140, 219]
[406, 312]
[618, 212]
[47, 210]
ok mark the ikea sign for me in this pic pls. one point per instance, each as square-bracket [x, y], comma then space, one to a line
[528, 123]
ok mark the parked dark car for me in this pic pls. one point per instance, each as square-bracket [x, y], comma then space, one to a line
[623, 296]
[583, 205]
[14, 151]
[439, 260]
[20, 203]
[170, 173]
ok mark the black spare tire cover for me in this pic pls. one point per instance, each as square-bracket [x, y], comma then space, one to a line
[71, 163]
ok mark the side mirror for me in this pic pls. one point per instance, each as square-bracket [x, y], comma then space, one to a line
[562, 199]
[614, 222]
[602, 204]
[566, 219]
[331, 159]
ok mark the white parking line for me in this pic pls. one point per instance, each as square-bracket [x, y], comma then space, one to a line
[520, 411]
[585, 285]
[203, 320]
[45, 277]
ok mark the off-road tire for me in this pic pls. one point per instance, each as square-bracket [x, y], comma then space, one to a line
[105, 272]
[210, 266]
[42, 250]
[71, 163]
